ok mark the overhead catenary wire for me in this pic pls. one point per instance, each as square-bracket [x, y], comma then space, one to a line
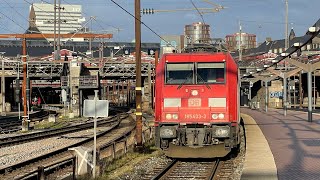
[42, 11]
[83, 26]
[272, 22]
[48, 13]
[19, 14]
[6, 29]
[198, 11]
[16, 11]
[96, 20]
[12, 20]
[141, 22]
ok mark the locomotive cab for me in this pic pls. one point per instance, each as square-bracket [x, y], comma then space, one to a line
[196, 105]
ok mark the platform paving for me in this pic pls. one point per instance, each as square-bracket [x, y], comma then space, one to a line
[259, 162]
[294, 142]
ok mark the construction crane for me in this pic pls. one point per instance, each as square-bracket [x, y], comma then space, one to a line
[216, 8]
[24, 37]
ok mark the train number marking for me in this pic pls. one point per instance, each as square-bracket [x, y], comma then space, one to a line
[195, 116]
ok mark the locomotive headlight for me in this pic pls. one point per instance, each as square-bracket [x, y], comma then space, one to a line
[220, 131]
[168, 132]
[214, 116]
[168, 116]
[221, 116]
[194, 92]
[175, 116]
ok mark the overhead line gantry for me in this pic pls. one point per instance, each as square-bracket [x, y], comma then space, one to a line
[24, 37]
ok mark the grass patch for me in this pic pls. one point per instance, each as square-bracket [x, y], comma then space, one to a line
[127, 163]
[60, 123]
[47, 125]
[22, 132]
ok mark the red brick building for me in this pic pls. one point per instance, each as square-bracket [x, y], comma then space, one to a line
[248, 41]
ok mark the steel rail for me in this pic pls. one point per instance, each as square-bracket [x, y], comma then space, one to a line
[214, 169]
[10, 141]
[165, 170]
[47, 170]
[7, 119]
[63, 152]
[13, 124]
[51, 169]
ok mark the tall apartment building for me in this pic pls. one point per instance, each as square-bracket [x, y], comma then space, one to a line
[41, 19]
[248, 41]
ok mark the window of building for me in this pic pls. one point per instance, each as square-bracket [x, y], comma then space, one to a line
[308, 46]
[314, 46]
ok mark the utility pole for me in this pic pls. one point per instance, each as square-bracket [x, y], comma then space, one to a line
[300, 90]
[138, 74]
[309, 95]
[285, 63]
[266, 94]
[18, 86]
[59, 22]
[156, 60]
[240, 41]
[3, 88]
[314, 89]
[90, 40]
[54, 29]
[25, 122]
[239, 82]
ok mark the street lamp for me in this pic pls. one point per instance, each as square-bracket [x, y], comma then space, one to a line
[285, 64]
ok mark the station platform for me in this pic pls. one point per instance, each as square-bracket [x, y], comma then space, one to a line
[280, 147]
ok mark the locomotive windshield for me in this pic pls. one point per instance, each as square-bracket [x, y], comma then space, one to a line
[195, 73]
[178, 73]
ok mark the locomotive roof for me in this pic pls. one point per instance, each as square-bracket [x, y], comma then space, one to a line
[199, 54]
[221, 54]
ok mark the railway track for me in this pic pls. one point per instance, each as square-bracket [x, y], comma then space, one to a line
[13, 124]
[227, 167]
[188, 170]
[23, 138]
[30, 167]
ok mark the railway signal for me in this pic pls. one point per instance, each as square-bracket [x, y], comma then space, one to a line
[17, 92]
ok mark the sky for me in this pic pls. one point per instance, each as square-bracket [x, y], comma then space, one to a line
[265, 18]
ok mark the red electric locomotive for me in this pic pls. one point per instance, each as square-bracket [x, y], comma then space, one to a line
[197, 107]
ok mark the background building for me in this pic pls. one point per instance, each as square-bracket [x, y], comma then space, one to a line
[41, 19]
[197, 33]
[248, 41]
[176, 42]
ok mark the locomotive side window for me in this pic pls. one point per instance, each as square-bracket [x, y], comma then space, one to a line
[179, 73]
[210, 73]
